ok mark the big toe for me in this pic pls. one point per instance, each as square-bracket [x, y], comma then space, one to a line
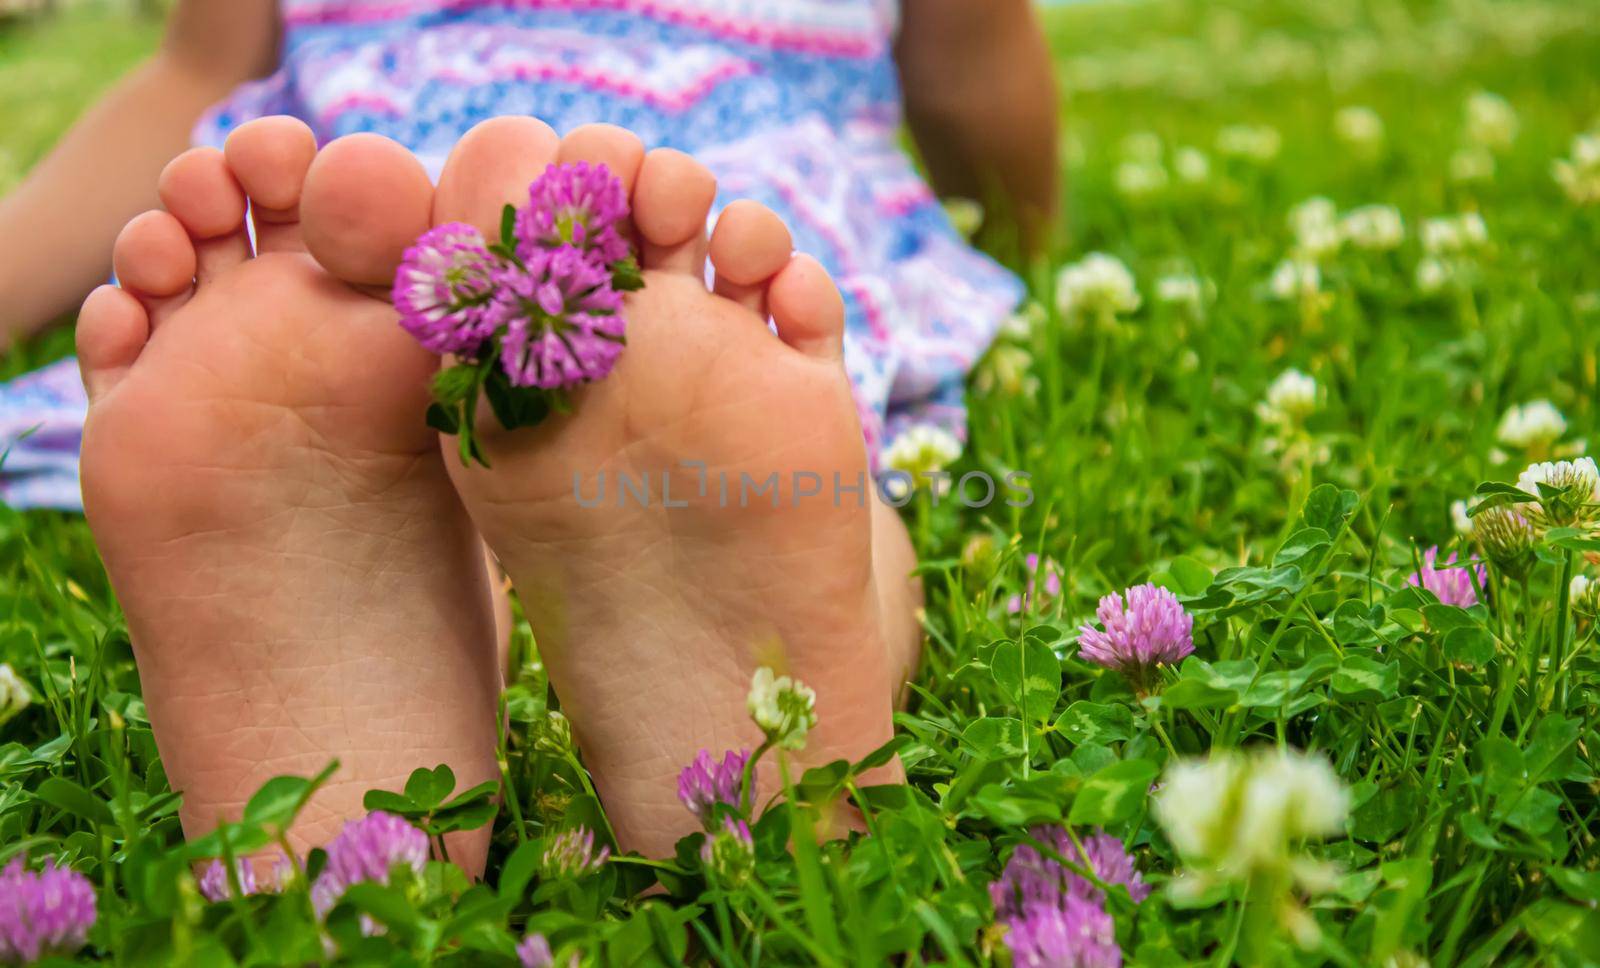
[618, 149]
[365, 201]
[491, 167]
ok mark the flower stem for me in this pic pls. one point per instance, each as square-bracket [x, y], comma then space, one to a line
[1162, 733]
[508, 789]
[746, 780]
[1563, 609]
[588, 787]
[1225, 956]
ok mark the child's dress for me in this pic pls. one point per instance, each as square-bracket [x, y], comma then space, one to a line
[794, 103]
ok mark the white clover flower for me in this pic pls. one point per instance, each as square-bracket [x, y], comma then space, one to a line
[1194, 804]
[14, 695]
[1295, 279]
[1292, 396]
[1507, 535]
[1247, 142]
[965, 214]
[1183, 289]
[1192, 165]
[1006, 369]
[1140, 179]
[1433, 275]
[1099, 284]
[1235, 814]
[978, 553]
[1562, 473]
[1021, 324]
[1472, 165]
[1579, 174]
[1461, 514]
[1584, 595]
[1450, 235]
[1297, 793]
[1315, 224]
[784, 709]
[1375, 228]
[920, 450]
[1360, 128]
[1531, 425]
[1578, 479]
[1491, 122]
[1586, 149]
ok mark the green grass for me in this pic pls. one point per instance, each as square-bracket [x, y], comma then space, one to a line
[1465, 737]
[50, 71]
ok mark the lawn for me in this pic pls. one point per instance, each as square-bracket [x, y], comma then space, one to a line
[1346, 290]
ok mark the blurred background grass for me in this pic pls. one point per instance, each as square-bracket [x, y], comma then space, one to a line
[54, 63]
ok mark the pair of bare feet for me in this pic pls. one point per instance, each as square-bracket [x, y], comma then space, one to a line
[302, 567]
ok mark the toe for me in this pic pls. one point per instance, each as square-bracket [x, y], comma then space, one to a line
[670, 205]
[491, 167]
[269, 157]
[748, 247]
[200, 191]
[112, 329]
[605, 144]
[807, 308]
[154, 259]
[366, 199]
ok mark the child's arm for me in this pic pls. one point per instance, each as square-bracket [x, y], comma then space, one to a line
[56, 228]
[980, 98]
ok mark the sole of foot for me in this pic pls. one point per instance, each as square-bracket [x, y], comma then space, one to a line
[300, 580]
[652, 620]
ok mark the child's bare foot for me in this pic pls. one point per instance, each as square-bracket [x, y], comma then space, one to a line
[300, 580]
[651, 620]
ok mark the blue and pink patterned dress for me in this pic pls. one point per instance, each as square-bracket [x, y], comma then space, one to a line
[794, 103]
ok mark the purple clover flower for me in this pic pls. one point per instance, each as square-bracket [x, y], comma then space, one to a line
[571, 855]
[443, 290]
[574, 205]
[45, 912]
[367, 849]
[1054, 916]
[1032, 876]
[1144, 627]
[1033, 598]
[554, 306]
[534, 952]
[729, 853]
[705, 783]
[1451, 585]
[1074, 934]
[1111, 862]
[215, 885]
[564, 322]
